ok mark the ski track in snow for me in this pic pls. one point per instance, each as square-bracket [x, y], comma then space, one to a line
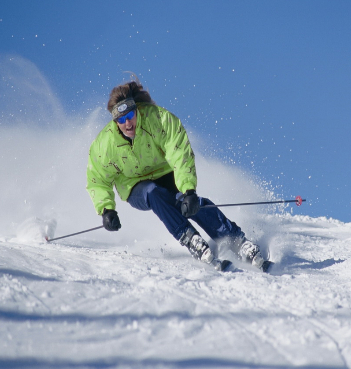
[81, 304]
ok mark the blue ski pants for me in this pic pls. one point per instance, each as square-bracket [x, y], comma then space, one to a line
[147, 195]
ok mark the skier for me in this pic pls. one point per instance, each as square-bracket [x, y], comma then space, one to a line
[144, 152]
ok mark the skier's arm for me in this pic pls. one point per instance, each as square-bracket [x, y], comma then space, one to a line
[99, 188]
[178, 151]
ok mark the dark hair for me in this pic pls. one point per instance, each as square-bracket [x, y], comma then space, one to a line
[132, 89]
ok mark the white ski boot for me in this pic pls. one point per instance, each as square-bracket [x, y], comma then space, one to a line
[250, 253]
[200, 250]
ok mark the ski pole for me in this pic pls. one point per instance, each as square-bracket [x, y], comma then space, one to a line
[73, 234]
[298, 200]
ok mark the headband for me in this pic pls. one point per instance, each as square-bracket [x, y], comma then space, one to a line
[123, 107]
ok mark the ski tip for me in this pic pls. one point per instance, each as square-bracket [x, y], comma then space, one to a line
[225, 265]
[267, 266]
[221, 265]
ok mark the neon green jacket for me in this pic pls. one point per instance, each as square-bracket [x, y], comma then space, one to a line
[160, 146]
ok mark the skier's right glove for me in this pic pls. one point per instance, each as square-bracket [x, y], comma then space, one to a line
[190, 204]
[110, 220]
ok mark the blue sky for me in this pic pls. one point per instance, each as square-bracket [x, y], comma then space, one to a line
[265, 84]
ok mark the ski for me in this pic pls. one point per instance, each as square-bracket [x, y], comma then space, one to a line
[226, 265]
[221, 265]
[266, 266]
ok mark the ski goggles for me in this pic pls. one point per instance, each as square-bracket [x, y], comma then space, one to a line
[124, 118]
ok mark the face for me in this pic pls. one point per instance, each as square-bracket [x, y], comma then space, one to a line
[128, 128]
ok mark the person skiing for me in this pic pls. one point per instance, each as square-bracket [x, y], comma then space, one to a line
[145, 153]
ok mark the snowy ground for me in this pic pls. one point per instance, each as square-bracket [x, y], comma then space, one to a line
[86, 304]
[135, 298]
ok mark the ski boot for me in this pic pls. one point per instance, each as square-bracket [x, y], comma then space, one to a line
[200, 250]
[250, 253]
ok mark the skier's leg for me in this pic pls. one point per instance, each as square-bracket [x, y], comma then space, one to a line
[227, 234]
[217, 225]
[147, 195]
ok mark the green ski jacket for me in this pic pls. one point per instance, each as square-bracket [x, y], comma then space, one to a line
[160, 146]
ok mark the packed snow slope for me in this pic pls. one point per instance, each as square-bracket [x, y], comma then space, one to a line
[136, 299]
[83, 303]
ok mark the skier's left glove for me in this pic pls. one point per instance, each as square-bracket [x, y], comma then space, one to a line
[190, 204]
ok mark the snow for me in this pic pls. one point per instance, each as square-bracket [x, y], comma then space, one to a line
[135, 298]
[83, 303]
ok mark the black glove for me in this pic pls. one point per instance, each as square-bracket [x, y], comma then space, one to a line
[191, 204]
[110, 220]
